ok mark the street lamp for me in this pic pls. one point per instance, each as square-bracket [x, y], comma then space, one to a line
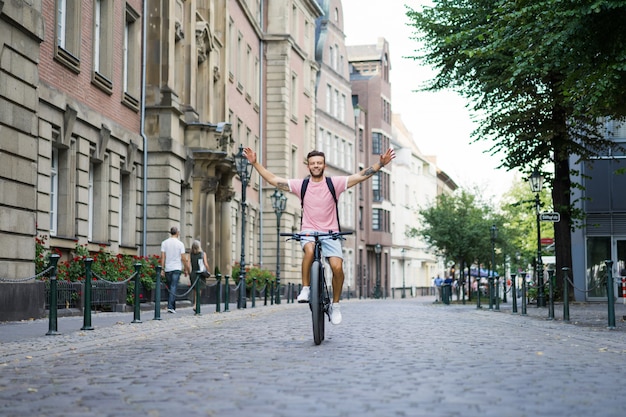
[279, 202]
[403, 282]
[494, 236]
[536, 183]
[378, 250]
[244, 170]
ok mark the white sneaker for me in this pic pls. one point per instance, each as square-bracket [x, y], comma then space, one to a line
[335, 313]
[303, 297]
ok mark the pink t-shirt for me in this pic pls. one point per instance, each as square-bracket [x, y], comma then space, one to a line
[319, 212]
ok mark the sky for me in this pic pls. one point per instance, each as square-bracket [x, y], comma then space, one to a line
[440, 122]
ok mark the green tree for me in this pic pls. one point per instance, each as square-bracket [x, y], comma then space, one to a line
[520, 219]
[457, 227]
[543, 76]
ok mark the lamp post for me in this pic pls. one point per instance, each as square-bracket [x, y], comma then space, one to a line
[244, 170]
[494, 236]
[279, 202]
[403, 281]
[536, 183]
[377, 250]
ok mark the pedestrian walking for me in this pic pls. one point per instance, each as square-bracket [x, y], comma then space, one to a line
[173, 262]
[438, 284]
[199, 267]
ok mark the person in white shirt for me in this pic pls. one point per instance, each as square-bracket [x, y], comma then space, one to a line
[173, 262]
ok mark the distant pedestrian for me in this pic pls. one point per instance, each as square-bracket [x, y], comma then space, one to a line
[199, 267]
[173, 262]
[438, 284]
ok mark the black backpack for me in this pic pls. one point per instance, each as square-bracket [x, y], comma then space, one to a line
[331, 187]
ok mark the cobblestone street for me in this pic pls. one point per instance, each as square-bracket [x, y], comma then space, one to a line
[406, 357]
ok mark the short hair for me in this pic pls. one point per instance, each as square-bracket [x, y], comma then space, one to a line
[315, 153]
[174, 230]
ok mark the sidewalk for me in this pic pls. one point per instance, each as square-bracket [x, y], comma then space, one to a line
[15, 331]
[586, 314]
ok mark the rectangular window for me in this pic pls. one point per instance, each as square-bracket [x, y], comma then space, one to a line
[54, 191]
[67, 48]
[360, 219]
[320, 140]
[63, 198]
[329, 95]
[294, 162]
[103, 45]
[294, 96]
[98, 207]
[239, 63]
[361, 134]
[127, 207]
[90, 209]
[342, 108]
[377, 143]
[328, 147]
[131, 78]
[376, 186]
[231, 51]
[377, 219]
[257, 80]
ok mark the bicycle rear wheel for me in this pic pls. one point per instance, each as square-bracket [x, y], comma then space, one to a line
[315, 300]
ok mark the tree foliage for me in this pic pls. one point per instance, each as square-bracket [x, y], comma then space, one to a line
[457, 226]
[543, 75]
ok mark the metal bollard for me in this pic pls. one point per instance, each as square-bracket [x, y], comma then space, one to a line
[157, 293]
[53, 313]
[513, 294]
[497, 294]
[444, 294]
[524, 294]
[565, 294]
[226, 294]
[610, 293]
[87, 291]
[137, 309]
[478, 293]
[551, 294]
[253, 292]
[490, 287]
[272, 293]
[218, 293]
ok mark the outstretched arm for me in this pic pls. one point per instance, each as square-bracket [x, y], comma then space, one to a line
[280, 183]
[385, 158]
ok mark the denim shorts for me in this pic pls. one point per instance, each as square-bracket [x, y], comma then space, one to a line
[330, 247]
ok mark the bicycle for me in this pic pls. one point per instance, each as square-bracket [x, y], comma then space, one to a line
[319, 298]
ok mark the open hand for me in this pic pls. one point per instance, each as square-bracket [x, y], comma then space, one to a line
[387, 156]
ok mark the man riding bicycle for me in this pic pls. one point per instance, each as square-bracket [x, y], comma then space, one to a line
[319, 214]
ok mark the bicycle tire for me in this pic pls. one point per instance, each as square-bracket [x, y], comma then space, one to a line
[315, 301]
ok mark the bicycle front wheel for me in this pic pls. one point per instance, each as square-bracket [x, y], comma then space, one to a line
[315, 300]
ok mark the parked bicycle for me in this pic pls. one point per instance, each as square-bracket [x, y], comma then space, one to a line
[319, 299]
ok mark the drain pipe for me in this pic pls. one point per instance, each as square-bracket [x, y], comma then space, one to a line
[144, 194]
[261, 112]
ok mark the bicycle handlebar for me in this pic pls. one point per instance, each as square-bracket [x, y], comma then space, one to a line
[316, 235]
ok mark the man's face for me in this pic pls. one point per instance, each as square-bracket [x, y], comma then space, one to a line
[316, 166]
